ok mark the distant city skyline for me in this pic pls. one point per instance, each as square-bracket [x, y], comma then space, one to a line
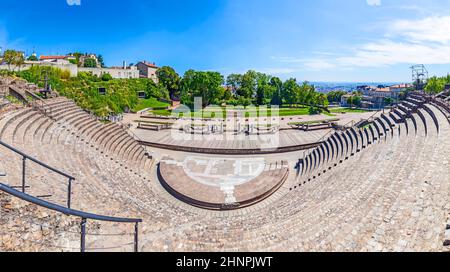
[320, 41]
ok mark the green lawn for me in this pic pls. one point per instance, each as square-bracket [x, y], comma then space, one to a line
[347, 110]
[254, 112]
[149, 103]
[313, 122]
[220, 112]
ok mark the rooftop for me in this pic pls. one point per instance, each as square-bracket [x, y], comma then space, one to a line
[152, 65]
[51, 57]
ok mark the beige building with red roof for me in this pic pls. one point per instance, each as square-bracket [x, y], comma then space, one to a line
[148, 70]
[55, 59]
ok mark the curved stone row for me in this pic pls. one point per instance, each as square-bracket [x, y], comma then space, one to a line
[392, 196]
[221, 197]
[351, 141]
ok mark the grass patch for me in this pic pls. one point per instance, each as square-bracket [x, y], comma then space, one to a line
[13, 100]
[149, 103]
[313, 122]
[245, 113]
[347, 110]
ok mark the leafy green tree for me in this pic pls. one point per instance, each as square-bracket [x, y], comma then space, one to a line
[354, 101]
[90, 63]
[170, 80]
[227, 94]
[77, 56]
[32, 58]
[306, 94]
[388, 101]
[435, 85]
[207, 85]
[277, 87]
[101, 61]
[234, 82]
[13, 58]
[321, 100]
[249, 84]
[260, 93]
[290, 91]
[335, 96]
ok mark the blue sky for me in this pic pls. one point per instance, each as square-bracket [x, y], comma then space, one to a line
[321, 40]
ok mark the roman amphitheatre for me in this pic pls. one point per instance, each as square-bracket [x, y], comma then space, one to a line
[378, 181]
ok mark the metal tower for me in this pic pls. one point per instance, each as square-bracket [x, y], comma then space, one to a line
[419, 76]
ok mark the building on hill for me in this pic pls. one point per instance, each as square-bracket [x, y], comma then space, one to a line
[376, 97]
[85, 57]
[148, 70]
[400, 87]
[121, 72]
[54, 59]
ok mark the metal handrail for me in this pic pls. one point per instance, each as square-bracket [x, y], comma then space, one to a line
[367, 119]
[55, 207]
[25, 157]
[36, 161]
[70, 212]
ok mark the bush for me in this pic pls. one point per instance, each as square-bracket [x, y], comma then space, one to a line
[314, 110]
[107, 77]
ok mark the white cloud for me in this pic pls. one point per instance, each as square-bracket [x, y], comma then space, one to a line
[7, 43]
[431, 29]
[374, 2]
[425, 41]
[388, 53]
[73, 2]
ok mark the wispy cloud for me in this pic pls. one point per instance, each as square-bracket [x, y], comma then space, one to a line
[424, 41]
[73, 2]
[277, 71]
[7, 43]
[373, 2]
[431, 29]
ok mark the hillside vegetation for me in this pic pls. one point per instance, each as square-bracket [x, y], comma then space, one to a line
[121, 94]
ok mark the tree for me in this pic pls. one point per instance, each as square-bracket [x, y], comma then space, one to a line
[249, 84]
[101, 61]
[263, 88]
[234, 82]
[13, 58]
[90, 63]
[32, 58]
[290, 91]
[354, 101]
[321, 100]
[435, 85]
[306, 94]
[277, 86]
[388, 101]
[260, 93]
[335, 96]
[170, 80]
[207, 85]
[77, 56]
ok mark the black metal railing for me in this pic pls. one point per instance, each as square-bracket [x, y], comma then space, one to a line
[70, 212]
[25, 157]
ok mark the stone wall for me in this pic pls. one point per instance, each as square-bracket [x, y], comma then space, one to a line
[73, 69]
[28, 228]
[115, 73]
